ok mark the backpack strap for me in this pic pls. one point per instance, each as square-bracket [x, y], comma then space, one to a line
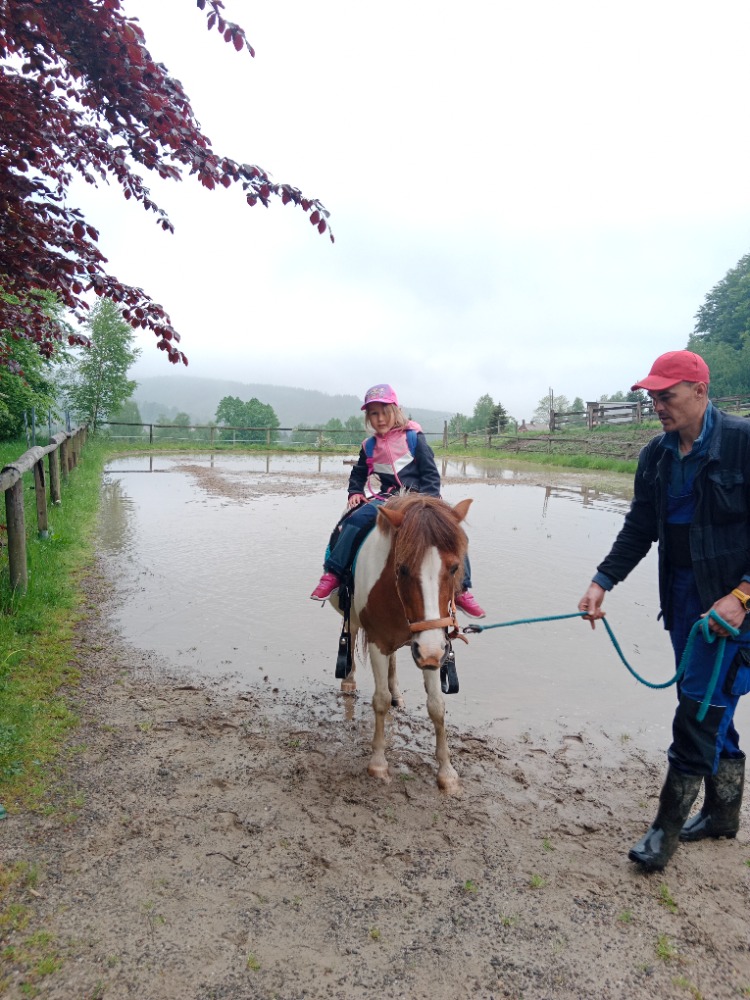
[368, 446]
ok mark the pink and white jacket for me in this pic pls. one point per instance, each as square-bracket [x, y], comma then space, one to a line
[400, 459]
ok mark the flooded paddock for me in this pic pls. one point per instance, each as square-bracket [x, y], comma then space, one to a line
[213, 559]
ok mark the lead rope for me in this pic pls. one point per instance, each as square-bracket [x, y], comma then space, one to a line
[700, 626]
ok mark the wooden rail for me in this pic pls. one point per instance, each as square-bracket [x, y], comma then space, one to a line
[64, 451]
[214, 437]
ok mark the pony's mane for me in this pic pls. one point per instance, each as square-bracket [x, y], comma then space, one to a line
[428, 521]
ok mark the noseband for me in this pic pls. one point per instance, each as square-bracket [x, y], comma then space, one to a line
[449, 622]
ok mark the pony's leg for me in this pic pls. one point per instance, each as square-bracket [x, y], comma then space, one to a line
[381, 702]
[397, 699]
[349, 684]
[447, 778]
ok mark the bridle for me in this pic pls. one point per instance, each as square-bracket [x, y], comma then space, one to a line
[449, 622]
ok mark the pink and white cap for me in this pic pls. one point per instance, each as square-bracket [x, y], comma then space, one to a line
[381, 393]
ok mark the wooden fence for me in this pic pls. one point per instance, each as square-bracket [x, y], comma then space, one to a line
[217, 435]
[63, 453]
[599, 414]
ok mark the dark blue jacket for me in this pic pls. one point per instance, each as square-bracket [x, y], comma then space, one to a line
[720, 529]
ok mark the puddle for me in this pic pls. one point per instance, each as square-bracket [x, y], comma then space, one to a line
[214, 558]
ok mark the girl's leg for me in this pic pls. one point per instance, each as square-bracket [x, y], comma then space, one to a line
[466, 601]
[342, 556]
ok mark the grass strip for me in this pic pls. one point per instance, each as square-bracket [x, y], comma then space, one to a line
[37, 654]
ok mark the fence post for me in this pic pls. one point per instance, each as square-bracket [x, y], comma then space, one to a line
[41, 499]
[16, 524]
[55, 493]
[445, 433]
[64, 466]
[268, 437]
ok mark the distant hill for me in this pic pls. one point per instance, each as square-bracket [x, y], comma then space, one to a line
[166, 396]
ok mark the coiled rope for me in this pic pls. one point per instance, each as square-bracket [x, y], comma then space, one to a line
[701, 626]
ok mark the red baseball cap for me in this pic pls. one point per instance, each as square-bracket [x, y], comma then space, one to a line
[674, 367]
[381, 393]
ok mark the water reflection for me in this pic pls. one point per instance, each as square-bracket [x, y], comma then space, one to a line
[238, 462]
[116, 527]
[213, 573]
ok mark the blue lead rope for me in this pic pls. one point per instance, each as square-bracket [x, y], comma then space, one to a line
[700, 626]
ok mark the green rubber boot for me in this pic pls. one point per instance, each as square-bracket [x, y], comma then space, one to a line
[660, 841]
[720, 812]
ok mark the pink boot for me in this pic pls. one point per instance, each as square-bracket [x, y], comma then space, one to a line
[329, 584]
[467, 603]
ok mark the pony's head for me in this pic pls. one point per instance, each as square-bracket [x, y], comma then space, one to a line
[428, 548]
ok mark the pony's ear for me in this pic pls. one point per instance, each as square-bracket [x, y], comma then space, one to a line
[394, 516]
[462, 509]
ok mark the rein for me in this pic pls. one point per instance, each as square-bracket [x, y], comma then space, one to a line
[699, 627]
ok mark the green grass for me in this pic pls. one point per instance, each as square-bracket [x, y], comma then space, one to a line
[37, 671]
[665, 898]
[37, 656]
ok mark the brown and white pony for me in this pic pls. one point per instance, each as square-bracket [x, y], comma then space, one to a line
[407, 571]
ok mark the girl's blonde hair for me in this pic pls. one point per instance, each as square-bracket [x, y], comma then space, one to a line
[399, 419]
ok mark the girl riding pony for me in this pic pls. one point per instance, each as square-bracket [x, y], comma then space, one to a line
[397, 457]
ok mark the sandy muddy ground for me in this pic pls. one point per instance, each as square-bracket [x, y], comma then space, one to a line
[212, 847]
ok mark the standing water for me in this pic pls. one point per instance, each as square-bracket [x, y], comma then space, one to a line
[214, 558]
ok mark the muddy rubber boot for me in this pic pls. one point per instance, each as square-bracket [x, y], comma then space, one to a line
[660, 841]
[720, 812]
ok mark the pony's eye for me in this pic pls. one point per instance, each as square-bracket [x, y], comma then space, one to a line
[403, 570]
[453, 569]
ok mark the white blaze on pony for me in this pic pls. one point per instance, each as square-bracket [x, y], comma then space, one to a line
[407, 572]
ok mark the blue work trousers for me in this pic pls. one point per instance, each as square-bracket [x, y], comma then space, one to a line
[698, 745]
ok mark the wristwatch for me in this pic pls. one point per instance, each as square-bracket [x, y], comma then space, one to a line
[743, 598]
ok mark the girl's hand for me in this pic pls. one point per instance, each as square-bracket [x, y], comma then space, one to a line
[355, 500]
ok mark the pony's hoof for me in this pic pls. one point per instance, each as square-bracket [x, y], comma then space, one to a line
[348, 687]
[379, 771]
[398, 703]
[449, 783]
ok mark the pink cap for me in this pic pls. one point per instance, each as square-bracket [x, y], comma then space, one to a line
[674, 367]
[381, 393]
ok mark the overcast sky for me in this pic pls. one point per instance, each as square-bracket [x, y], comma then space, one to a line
[524, 195]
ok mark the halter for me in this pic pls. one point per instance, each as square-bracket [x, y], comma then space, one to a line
[449, 622]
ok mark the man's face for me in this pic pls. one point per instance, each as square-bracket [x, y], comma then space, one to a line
[681, 406]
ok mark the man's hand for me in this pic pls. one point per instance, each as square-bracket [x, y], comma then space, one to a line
[730, 609]
[591, 603]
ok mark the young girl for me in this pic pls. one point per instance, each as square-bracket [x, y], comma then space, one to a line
[396, 457]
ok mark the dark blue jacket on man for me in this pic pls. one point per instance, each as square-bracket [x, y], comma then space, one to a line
[719, 531]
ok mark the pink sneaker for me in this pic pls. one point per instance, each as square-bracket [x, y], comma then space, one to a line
[467, 603]
[329, 584]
